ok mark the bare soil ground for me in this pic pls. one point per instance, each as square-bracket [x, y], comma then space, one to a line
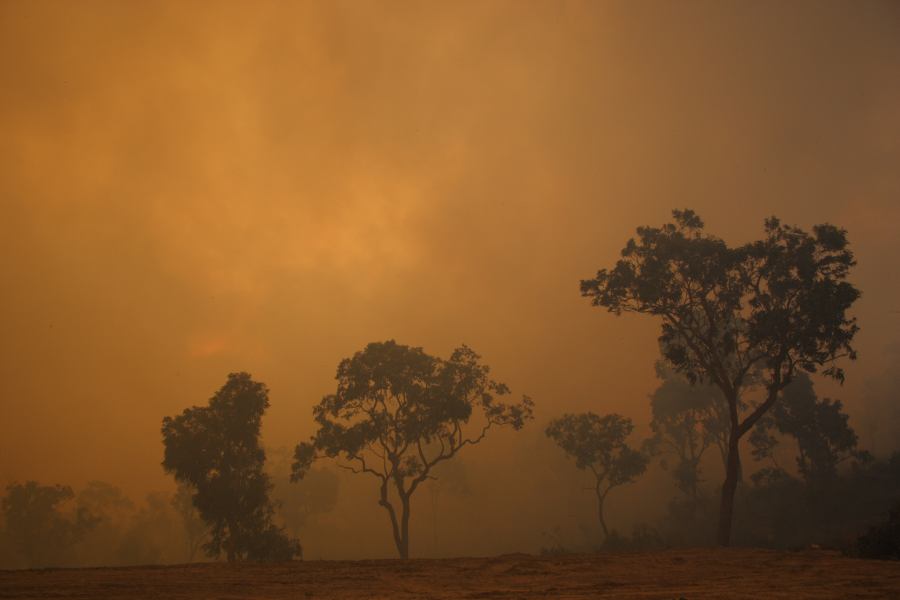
[690, 574]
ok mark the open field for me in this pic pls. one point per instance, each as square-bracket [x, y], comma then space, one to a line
[690, 574]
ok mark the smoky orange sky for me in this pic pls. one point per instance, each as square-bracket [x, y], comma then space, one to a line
[193, 188]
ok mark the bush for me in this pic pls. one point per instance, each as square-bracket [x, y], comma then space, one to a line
[882, 541]
[643, 538]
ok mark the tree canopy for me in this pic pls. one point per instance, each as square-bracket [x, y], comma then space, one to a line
[755, 314]
[398, 412]
[216, 449]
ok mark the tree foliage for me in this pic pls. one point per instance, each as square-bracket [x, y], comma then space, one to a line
[820, 427]
[599, 445]
[399, 412]
[738, 316]
[216, 450]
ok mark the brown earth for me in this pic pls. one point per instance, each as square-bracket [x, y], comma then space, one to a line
[690, 574]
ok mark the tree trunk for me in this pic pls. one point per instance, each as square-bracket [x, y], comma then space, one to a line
[395, 527]
[732, 474]
[600, 497]
[403, 546]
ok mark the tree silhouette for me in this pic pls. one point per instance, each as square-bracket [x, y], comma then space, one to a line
[398, 412]
[687, 420]
[37, 528]
[598, 444]
[299, 503]
[820, 427]
[147, 536]
[111, 510]
[216, 450]
[734, 316]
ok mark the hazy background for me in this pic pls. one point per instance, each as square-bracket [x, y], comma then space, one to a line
[194, 188]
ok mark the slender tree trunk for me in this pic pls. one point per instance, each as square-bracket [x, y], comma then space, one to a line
[732, 475]
[600, 498]
[395, 526]
[403, 547]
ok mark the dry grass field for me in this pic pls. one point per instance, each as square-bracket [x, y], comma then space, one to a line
[689, 574]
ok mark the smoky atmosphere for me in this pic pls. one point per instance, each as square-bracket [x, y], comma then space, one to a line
[540, 291]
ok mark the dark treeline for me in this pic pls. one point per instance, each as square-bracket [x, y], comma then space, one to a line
[753, 454]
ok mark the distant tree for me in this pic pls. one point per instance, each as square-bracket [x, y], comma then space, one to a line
[104, 500]
[216, 449]
[150, 533]
[758, 313]
[37, 528]
[820, 427]
[111, 510]
[399, 412]
[599, 444]
[298, 503]
[687, 420]
[195, 529]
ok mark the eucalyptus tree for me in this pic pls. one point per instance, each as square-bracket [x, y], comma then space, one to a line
[398, 412]
[732, 316]
[216, 450]
[599, 445]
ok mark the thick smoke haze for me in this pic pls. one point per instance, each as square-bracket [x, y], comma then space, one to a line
[189, 190]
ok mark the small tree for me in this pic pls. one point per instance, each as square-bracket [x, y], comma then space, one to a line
[111, 511]
[733, 317]
[216, 450]
[149, 536]
[398, 412]
[598, 444]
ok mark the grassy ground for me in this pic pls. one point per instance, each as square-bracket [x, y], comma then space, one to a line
[690, 574]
